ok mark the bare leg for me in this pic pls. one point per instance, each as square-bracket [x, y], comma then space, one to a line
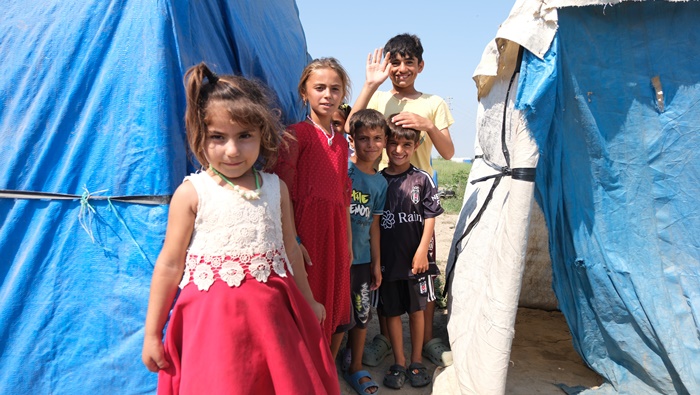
[336, 340]
[383, 329]
[429, 313]
[396, 337]
[417, 326]
[356, 342]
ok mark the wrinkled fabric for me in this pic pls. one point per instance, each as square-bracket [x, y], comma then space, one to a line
[612, 106]
[92, 103]
[618, 181]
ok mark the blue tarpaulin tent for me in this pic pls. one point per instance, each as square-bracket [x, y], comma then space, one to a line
[92, 106]
[619, 187]
[609, 98]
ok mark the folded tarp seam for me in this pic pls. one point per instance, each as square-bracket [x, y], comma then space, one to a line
[136, 199]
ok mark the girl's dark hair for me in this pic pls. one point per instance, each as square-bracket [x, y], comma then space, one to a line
[399, 132]
[406, 45]
[345, 110]
[248, 103]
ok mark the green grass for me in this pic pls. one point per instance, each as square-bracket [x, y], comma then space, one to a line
[452, 176]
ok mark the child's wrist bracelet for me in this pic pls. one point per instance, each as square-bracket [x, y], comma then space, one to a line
[298, 240]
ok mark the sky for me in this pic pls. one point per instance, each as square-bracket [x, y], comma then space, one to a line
[454, 34]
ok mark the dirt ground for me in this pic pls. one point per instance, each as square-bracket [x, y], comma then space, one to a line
[543, 360]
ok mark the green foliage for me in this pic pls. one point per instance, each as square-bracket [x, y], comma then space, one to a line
[452, 176]
[440, 301]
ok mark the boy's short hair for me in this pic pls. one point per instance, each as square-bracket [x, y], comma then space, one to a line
[369, 119]
[406, 45]
[399, 132]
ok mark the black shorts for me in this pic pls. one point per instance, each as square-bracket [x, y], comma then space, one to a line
[405, 296]
[360, 283]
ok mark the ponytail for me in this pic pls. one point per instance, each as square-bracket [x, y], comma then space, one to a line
[248, 102]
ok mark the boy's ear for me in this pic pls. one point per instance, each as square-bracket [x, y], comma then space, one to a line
[351, 141]
[421, 65]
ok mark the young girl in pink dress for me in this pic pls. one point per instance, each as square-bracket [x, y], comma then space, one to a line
[315, 167]
[245, 321]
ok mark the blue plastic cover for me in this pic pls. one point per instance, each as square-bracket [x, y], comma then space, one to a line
[618, 181]
[92, 103]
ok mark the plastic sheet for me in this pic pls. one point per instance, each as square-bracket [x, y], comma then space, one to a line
[92, 104]
[618, 182]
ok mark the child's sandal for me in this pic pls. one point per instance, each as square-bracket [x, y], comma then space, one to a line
[438, 352]
[395, 377]
[418, 375]
[376, 350]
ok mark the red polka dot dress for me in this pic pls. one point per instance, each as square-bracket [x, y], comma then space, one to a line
[315, 169]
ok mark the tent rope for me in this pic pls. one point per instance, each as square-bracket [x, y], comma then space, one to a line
[32, 195]
[87, 211]
[520, 173]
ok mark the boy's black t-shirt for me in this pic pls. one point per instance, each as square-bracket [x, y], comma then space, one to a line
[411, 197]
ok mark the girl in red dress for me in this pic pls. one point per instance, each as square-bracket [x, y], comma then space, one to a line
[245, 321]
[315, 167]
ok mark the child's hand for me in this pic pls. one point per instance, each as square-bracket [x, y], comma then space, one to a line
[410, 120]
[153, 355]
[376, 277]
[420, 263]
[305, 254]
[319, 311]
[377, 70]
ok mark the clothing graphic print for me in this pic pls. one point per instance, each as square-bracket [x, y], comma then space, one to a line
[367, 199]
[411, 198]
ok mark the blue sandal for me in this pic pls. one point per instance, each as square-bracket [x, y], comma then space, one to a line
[360, 388]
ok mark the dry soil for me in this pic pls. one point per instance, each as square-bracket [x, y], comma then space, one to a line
[543, 360]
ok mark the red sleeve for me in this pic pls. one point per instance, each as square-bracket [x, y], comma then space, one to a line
[287, 160]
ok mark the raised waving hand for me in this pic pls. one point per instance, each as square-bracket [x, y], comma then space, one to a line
[377, 69]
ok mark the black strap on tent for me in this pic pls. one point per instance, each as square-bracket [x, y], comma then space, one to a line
[139, 199]
[524, 174]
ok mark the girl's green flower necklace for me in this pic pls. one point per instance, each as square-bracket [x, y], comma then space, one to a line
[249, 195]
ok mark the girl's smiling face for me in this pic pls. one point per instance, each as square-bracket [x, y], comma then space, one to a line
[324, 92]
[231, 148]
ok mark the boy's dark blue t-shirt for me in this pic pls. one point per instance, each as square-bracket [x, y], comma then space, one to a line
[411, 197]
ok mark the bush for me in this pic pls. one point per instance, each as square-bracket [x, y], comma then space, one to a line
[452, 176]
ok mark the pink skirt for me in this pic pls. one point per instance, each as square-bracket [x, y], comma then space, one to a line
[259, 338]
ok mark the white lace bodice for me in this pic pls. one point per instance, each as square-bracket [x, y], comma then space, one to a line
[234, 236]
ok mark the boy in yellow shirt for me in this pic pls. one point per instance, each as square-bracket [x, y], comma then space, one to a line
[401, 60]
